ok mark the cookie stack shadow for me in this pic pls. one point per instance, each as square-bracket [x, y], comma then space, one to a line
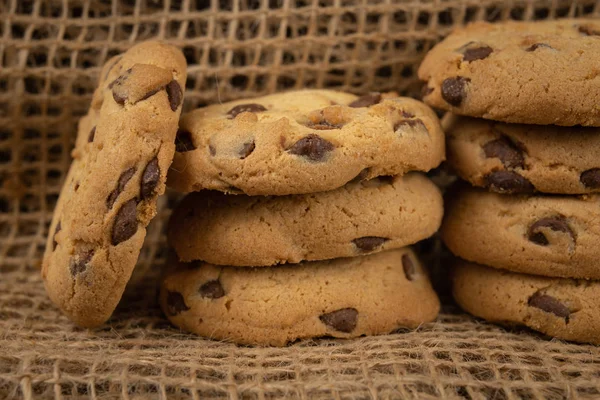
[301, 209]
[526, 230]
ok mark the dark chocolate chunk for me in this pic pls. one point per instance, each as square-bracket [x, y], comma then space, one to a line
[92, 135]
[454, 90]
[56, 230]
[590, 178]
[174, 94]
[120, 79]
[366, 101]
[125, 224]
[249, 107]
[556, 223]
[183, 141]
[406, 114]
[175, 303]
[121, 183]
[212, 290]
[79, 262]
[343, 320]
[369, 243]
[477, 53]
[508, 182]
[536, 46]
[412, 123]
[150, 94]
[119, 98]
[549, 304]
[150, 179]
[426, 91]
[509, 154]
[409, 267]
[247, 149]
[313, 147]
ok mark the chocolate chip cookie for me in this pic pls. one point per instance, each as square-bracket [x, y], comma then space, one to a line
[124, 148]
[303, 142]
[359, 218]
[563, 308]
[516, 158]
[540, 235]
[342, 298]
[523, 72]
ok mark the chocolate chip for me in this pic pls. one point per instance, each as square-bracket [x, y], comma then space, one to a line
[174, 94]
[183, 141]
[536, 46]
[556, 223]
[509, 154]
[369, 243]
[175, 303]
[549, 304]
[119, 98]
[212, 290]
[150, 179]
[121, 183]
[409, 267]
[56, 230]
[92, 135]
[366, 101]
[590, 178]
[343, 320]
[426, 91]
[412, 123]
[79, 262]
[588, 30]
[323, 126]
[508, 182]
[249, 107]
[406, 114]
[246, 150]
[477, 53]
[313, 147]
[120, 79]
[126, 224]
[454, 90]
[150, 94]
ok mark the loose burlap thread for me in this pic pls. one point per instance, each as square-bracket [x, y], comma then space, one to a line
[51, 52]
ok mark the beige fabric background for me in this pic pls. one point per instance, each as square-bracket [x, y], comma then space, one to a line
[50, 54]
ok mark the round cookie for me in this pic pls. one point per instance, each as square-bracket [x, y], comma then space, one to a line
[342, 298]
[563, 308]
[124, 148]
[359, 218]
[303, 142]
[540, 235]
[515, 158]
[522, 72]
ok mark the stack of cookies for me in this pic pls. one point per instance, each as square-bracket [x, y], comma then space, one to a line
[303, 204]
[533, 215]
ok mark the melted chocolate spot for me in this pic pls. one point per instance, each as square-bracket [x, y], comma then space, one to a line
[366, 101]
[454, 90]
[412, 123]
[79, 262]
[369, 243]
[174, 94]
[507, 152]
[121, 183]
[250, 107]
[150, 179]
[246, 150]
[126, 224]
[556, 223]
[212, 290]
[343, 320]
[536, 46]
[477, 53]
[313, 147]
[508, 182]
[175, 303]
[550, 305]
[590, 178]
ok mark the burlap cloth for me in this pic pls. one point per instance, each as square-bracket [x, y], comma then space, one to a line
[51, 52]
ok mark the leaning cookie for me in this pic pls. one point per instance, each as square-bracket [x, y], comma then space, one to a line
[342, 298]
[359, 218]
[516, 158]
[563, 308]
[540, 235]
[124, 147]
[522, 72]
[303, 142]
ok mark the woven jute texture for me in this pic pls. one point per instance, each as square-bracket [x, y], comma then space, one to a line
[51, 52]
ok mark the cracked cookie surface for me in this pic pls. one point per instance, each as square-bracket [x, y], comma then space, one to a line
[344, 298]
[520, 72]
[541, 235]
[123, 150]
[359, 218]
[513, 158]
[303, 142]
[564, 308]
